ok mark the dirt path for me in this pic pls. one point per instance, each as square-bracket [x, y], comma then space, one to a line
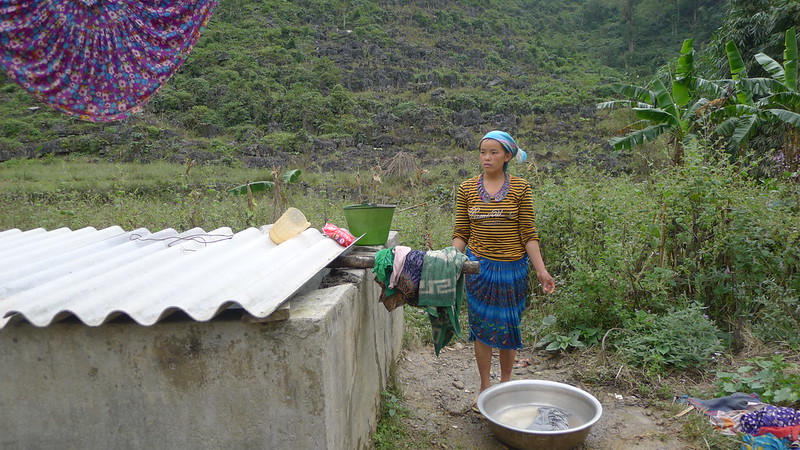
[439, 392]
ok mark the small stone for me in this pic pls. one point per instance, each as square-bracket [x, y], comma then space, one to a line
[458, 384]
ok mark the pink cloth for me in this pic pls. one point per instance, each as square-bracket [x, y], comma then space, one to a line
[400, 253]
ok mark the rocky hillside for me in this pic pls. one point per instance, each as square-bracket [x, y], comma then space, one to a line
[315, 83]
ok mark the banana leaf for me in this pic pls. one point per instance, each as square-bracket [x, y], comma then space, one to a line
[726, 127]
[656, 115]
[692, 110]
[684, 81]
[716, 88]
[762, 86]
[664, 100]
[615, 104]
[790, 59]
[291, 176]
[639, 93]
[792, 118]
[772, 67]
[639, 136]
[745, 129]
[735, 61]
[738, 73]
[786, 100]
[256, 186]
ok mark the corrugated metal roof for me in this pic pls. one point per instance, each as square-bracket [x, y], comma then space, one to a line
[96, 275]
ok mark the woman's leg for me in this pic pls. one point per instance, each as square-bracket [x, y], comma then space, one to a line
[483, 356]
[507, 359]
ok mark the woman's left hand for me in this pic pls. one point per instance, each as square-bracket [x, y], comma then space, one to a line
[548, 283]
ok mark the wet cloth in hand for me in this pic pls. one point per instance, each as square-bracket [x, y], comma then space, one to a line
[441, 293]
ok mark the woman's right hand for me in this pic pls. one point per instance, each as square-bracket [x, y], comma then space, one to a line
[548, 283]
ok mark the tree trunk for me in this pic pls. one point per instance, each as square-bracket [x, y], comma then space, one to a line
[677, 155]
[629, 9]
[791, 150]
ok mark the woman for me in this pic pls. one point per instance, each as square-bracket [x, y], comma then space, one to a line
[495, 226]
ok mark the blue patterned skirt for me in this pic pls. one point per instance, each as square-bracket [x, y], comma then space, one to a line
[496, 299]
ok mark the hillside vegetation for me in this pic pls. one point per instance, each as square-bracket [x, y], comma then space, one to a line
[675, 253]
[270, 79]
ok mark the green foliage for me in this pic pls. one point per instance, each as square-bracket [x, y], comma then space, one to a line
[706, 232]
[391, 433]
[18, 129]
[774, 379]
[288, 176]
[84, 144]
[726, 246]
[661, 111]
[681, 339]
[753, 26]
[578, 338]
[762, 104]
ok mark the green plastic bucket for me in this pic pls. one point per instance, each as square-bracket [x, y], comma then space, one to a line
[371, 220]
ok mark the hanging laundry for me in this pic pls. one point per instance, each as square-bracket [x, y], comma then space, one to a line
[406, 291]
[431, 280]
[441, 293]
[97, 60]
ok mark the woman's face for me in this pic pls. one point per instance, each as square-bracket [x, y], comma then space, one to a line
[493, 156]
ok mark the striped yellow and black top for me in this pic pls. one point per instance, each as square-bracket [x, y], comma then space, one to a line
[496, 230]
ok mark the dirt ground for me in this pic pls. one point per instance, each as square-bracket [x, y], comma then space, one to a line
[439, 392]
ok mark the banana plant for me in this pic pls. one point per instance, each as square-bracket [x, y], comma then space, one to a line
[289, 176]
[763, 101]
[660, 111]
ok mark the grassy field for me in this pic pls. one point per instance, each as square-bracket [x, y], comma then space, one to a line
[698, 265]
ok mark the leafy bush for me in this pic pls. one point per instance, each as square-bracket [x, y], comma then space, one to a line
[705, 231]
[774, 379]
[576, 339]
[17, 129]
[682, 339]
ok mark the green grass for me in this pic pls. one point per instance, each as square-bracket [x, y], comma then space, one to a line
[729, 240]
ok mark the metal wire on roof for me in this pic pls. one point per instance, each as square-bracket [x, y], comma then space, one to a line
[96, 275]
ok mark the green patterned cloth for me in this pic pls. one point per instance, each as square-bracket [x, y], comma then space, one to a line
[441, 293]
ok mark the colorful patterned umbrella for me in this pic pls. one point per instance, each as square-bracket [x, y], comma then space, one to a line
[98, 60]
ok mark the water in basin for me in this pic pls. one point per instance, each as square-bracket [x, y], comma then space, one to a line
[538, 418]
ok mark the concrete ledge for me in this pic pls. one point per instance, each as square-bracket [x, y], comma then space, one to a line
[312, 381]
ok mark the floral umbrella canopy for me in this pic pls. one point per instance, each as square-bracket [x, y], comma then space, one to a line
[98, 60]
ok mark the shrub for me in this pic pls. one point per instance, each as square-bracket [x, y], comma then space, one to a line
[682, 339]
[775, 380]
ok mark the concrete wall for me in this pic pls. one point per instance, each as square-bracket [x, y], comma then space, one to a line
[310, 382]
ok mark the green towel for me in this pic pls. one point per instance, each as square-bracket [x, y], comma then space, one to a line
[384, 262]
[441, 293]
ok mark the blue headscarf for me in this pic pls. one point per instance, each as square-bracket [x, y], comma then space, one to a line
[508, 143]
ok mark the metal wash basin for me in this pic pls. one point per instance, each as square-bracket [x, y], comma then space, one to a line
[513, 410]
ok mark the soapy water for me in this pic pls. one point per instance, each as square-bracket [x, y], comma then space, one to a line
[538, 418]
